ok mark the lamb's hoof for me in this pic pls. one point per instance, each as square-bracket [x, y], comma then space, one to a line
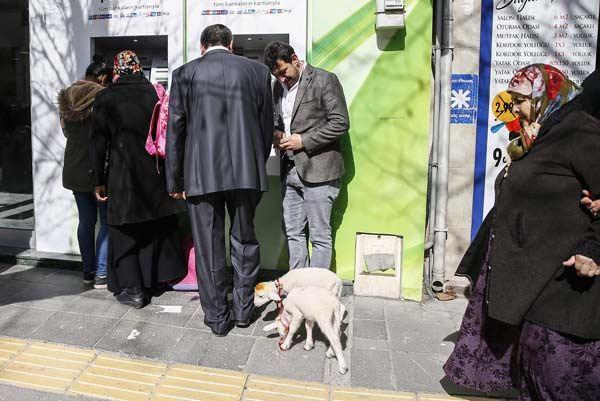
[308, 347]
[330, 353]
[284, 346]
[343, 370]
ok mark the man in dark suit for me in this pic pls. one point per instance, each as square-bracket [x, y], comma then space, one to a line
[219, 137]
[311, 118]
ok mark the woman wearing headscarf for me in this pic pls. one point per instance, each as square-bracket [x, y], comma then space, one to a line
[75, 107]
[144, 248]
[533, 320]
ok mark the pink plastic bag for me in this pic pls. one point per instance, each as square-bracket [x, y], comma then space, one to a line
[189, 282]
[157, 134]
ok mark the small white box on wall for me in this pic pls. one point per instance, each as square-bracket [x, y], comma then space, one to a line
[389, 15]
[378, 265]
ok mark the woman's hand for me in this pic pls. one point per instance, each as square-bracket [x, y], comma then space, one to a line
[586, 267]
[100, 192]
[589, 201]
[532, 130]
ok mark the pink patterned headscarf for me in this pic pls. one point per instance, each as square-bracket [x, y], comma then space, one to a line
[548, 88]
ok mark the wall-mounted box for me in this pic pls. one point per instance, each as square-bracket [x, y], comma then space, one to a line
[378, 265]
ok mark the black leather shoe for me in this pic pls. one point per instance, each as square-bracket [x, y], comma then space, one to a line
[133, 296]
[217, 334]
[252, 317]
[243, 323]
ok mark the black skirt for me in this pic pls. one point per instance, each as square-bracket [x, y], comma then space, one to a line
[145, 254]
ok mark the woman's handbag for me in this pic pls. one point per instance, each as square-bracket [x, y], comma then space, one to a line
[157, 134]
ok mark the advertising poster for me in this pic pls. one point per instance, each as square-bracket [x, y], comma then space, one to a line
[64, 36]
[267, 19]
[514, 34]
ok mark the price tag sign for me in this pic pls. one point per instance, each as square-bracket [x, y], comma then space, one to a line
[502, 107]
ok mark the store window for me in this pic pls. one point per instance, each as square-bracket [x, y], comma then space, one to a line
[16, 183]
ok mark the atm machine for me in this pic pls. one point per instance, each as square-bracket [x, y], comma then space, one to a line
[152, 50]
[253, 46]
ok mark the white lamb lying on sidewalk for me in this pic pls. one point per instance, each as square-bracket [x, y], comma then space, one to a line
[312, 304]
[302, 277]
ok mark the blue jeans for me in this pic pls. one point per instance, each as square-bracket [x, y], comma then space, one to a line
[308, 204]
[93, 253]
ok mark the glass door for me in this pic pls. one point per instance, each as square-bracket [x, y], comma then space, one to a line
[16, 183]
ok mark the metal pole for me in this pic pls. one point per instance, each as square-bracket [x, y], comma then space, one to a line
[433, 157]
[441, 207]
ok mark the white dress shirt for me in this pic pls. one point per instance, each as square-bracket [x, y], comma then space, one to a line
[287, 103]
[287, 106]
[216, 47]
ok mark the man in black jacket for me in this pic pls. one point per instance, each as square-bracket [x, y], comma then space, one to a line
[218, 140]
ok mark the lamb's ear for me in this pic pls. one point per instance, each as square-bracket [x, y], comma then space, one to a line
[270, 326]
[274, 296]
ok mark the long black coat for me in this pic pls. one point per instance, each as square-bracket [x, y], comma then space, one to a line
[220, 128]
[537, 223]
[120, 121]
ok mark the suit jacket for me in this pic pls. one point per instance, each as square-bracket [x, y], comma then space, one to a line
[320, 115]
[220, 129]
[120, 120]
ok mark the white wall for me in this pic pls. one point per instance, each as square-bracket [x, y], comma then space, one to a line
[60, 51]
[467, 19]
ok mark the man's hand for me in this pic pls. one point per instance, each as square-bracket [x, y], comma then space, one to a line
[292, 142]
[277, 137]
[100, 192]
[586, 267]
[177, 195]
[589, 201]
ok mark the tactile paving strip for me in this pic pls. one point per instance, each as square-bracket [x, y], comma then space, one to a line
[9, 348]
[70, 370]
[46, 366]
[117, 378]
[441, 397]
[357, 394]
[191, 383]
[260, 388]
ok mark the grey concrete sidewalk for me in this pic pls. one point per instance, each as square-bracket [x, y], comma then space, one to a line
[391, 345]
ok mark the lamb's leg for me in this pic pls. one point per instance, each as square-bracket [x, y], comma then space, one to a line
[310, 343]
[337, 323]
[294, 326]
[334, 342]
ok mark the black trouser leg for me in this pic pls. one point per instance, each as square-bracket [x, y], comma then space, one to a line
[207, 215]
[245, 250]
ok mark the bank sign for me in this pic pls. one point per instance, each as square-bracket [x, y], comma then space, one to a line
[516, 33]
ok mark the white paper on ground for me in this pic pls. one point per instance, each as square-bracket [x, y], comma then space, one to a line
[133, 335]
[170, 308]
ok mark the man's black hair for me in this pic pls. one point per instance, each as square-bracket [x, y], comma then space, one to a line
[216, 35]
[97, 67]
[278, 51]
